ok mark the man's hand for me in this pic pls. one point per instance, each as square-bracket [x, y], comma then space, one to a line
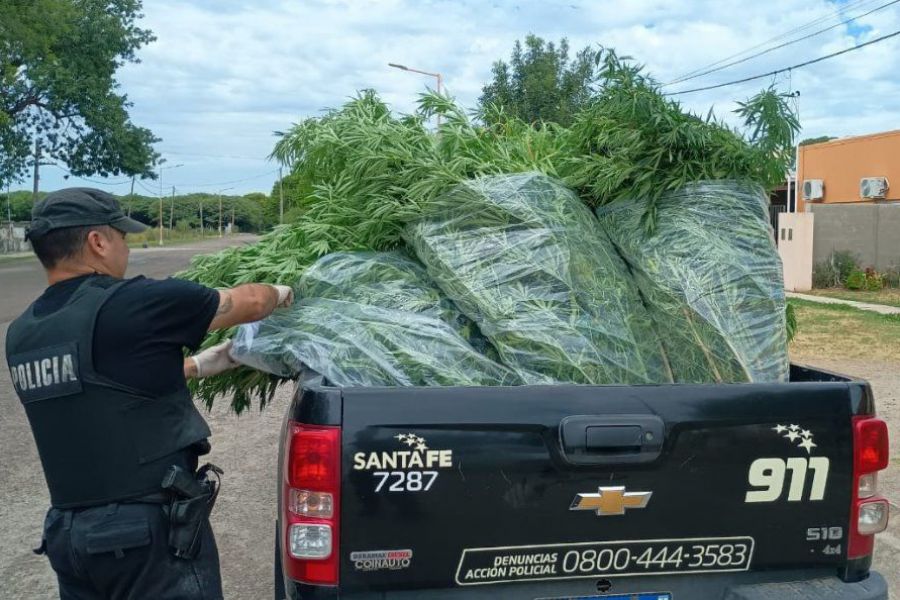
[209, 362]
[285, 295]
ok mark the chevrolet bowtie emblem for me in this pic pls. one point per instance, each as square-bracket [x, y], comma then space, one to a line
[611, 501]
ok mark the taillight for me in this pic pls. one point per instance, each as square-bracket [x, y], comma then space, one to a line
[311, 502]
[869, 512]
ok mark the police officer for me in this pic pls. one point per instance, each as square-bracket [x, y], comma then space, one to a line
[97, 361]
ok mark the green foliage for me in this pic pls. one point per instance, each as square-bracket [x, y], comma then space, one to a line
[856, 280]
[633, 142]
[790, 318]
[834, 271]
[874, 280]
[540, 84]
[891, 276]
[20, 205]
[359, 174]
[58, 60]
[711, 279]
[370, 319]
[816, 140]
[523, 257]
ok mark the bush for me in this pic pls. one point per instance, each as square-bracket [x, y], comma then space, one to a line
[874, 280]
[856, 280]
[891, 277]
[835, 271]
[824, 275]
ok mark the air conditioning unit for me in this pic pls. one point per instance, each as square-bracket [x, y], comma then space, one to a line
[813, 189]
[873, 187]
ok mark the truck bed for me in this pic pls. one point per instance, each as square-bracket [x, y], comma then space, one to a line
[670, 491]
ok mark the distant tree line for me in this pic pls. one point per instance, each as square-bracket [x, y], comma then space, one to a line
[252, 212]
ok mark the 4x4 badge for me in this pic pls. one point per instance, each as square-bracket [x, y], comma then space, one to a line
[611, 501]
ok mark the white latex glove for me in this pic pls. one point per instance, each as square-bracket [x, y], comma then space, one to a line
[214, 360]
[285, 295]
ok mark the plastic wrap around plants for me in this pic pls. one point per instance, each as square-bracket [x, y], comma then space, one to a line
[524, 258]
[711, 278]
[354, 344]
[388, 280]
[369, 319]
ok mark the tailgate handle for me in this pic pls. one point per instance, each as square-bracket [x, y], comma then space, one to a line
[608, 440]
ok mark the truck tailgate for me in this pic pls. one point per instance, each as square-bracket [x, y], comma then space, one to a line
[447, 488]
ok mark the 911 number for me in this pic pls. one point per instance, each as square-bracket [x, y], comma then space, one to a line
[771, 474]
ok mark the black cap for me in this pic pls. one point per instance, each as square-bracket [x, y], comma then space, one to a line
[77, 207]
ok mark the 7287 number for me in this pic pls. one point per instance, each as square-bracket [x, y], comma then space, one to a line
[405, 481]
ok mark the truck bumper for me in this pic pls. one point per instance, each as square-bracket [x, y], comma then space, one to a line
[873, 587]
[801, 586]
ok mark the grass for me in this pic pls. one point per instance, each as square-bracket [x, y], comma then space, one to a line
[887, 296]
[837, 331]
[151, 237]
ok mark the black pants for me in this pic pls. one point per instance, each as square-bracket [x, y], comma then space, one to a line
[120, 552]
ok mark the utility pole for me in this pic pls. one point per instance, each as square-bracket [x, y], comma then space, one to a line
[161, 197]
[160, 203]
[219, 194]
[201, 217]
[281, 194]
[9, 212]
[131, 196]
[37, 167]
[172, 212]
[231, 231]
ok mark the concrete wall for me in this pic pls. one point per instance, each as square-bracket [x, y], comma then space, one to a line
[871, 231]
[12, 238]
[842, 163]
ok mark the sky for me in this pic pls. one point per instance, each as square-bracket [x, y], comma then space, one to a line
[224, 75]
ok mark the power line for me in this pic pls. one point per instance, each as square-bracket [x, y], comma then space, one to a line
[772, 49]
[71, 174]
[183, 185]
[224, 155]
[154, 193]
[839, 13]
[782, 70]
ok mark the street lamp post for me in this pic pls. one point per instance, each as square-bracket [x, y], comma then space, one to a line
[436, 75]
[161, 197]
[219, 194]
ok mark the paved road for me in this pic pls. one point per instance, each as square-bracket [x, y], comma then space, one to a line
[246, 447]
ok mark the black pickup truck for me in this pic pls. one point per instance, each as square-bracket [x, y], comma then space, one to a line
[665, 492]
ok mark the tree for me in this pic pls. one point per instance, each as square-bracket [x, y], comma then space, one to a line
[58, 60]
[817, 140]
[540, 83]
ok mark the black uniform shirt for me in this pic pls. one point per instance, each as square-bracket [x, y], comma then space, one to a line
[143, 328]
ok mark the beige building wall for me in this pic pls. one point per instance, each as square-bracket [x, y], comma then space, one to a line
[795, 246]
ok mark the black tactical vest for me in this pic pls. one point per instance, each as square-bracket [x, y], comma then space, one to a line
[99, 441]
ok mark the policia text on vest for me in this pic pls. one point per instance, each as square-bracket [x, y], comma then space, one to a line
[46, 373]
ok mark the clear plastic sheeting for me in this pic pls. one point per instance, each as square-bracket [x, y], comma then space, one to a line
[711, 278]
[353, 344]
[524, 258]
[385, 279]
[370, 319]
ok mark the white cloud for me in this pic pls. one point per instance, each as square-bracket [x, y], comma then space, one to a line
[224, 75]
